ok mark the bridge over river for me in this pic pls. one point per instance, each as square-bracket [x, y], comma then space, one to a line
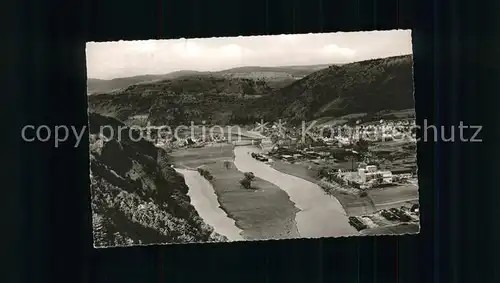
[235, 135]
[242, 137]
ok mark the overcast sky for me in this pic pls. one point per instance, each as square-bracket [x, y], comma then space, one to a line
[106, 60]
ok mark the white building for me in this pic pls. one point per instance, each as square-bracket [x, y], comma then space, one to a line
[386, 177]
[371, 172]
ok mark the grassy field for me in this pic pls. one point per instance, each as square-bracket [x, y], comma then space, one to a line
[395, 196]
[190, 158]
[301, 171]
[264, 212]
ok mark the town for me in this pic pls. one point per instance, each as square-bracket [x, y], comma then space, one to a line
[358, 163]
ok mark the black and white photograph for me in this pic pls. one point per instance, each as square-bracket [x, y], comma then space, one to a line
[252, 138]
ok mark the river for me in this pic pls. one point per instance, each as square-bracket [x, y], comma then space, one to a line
[205, 201]
[321, 215]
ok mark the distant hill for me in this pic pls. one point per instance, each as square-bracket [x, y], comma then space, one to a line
[185, 99]
[103, 86]
[273, 73]
[203, 84]
[362, 87]
[136, 197]
[276, 77]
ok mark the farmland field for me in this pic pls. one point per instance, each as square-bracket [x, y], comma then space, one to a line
[194, 157]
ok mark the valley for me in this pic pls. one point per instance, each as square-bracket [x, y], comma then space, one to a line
[199, 186]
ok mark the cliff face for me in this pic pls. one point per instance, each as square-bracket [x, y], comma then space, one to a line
[137, 198]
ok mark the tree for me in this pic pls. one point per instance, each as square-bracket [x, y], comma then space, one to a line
[249, 175]
[205, 173]
[361, 145]
[274, 138]
[246, 182]
[323, 173]
[378, 181]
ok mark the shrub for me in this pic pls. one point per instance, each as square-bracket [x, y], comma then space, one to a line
[205, 173]
[323, 173]
[249, 176]
[246, 182]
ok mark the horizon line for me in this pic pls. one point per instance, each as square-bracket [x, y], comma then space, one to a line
[248, 66]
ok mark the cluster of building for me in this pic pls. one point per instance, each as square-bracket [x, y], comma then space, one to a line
[196, 140]
[386, 217]
[315, 155]
[383, 131]
[370, 176]
[345, 135]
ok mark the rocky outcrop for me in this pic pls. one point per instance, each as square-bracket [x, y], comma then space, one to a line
[137, 198]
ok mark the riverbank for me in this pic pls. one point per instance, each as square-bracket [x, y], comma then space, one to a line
[353, 205]
[320, 215]
[264, 213]
[204, 200]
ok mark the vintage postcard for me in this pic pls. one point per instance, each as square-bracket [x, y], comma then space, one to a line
[252, 138]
